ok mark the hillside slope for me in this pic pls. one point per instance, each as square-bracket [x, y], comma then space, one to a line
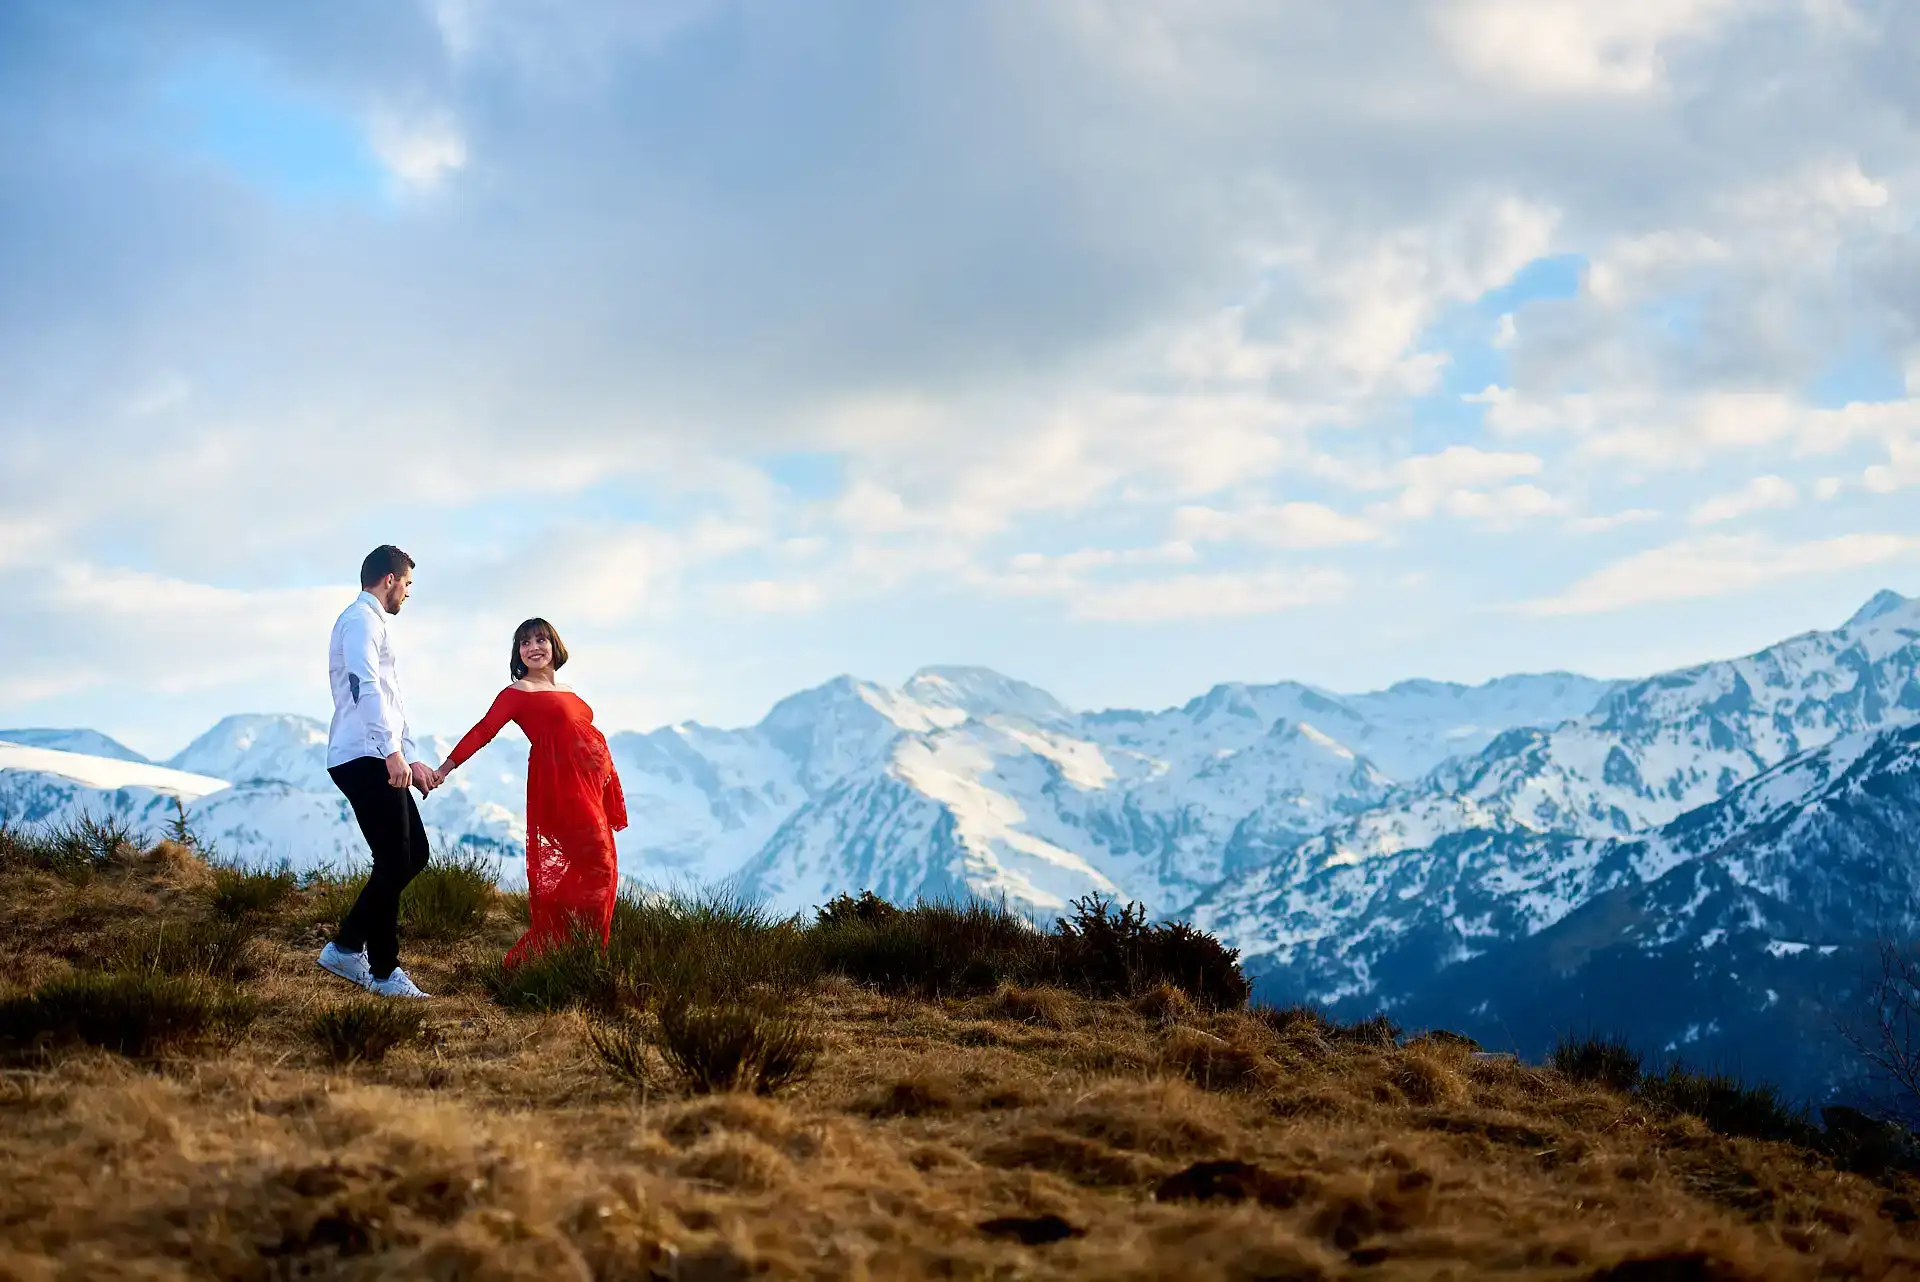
[1007, 1133]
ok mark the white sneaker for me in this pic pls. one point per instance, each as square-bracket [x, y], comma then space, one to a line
[350, 966]
[395, 985]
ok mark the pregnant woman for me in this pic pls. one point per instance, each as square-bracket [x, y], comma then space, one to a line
[574, 802]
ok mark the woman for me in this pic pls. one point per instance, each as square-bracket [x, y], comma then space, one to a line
[574, 802]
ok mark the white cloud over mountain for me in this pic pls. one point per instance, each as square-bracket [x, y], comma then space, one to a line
[758, 343]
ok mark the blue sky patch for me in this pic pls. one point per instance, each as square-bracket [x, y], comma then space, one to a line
[271, 136]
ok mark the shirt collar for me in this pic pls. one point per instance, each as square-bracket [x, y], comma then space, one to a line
[372, 600]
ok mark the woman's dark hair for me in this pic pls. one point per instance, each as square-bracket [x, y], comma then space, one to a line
[530, 628]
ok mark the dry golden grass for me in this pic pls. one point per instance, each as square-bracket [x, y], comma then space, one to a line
[1026, 1133]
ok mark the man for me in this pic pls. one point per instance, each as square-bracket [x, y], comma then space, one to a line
[372, 759]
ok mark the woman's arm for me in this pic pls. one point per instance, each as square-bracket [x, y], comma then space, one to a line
[482, 734]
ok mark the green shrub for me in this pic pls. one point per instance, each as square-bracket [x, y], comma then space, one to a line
[735, 1046]
[215, 948]
[75, 848]
[239, 892]
[934, 948]
[844, 908]
[1113, 952]
[1375, 1030]
[622, 1049]
[1728, 1105]
[450, 897]
[1604, 1061]
[574, 972]
[365, 1029]
[707, 948]
[137, 1013]
[179, 830]
[329, 894]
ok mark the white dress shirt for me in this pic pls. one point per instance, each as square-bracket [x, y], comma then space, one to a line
[369, 716]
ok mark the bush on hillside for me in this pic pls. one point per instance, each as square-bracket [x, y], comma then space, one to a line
[707, 948]
[1604, 1061]
[328, 894]
[577, 972]
[622, 1048]
[136, 1013]
[1111, 951]
[844, 908]
[365, 1029]
[933, 948]
[450, 897]
[1375, 1030]
[217, 948]
[76, 848]
[239, 892]
[1728, 1105]
[735, 1046]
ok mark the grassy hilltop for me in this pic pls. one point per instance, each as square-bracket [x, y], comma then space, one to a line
[879, 1094]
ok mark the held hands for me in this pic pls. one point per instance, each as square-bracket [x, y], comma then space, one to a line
[425, 778]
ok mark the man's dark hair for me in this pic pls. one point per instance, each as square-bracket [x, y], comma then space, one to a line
[533, 627]
[382, 561]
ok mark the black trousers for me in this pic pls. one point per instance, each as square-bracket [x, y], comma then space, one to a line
[391, 824]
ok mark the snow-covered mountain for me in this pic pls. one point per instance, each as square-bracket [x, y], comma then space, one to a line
[1354, 847]
[47, 784]
[88, 742]
[1019, 795]
[1743, 933]
[1651, 750]
[989, 787]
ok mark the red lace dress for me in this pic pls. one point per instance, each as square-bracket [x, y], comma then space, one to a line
[574, 806]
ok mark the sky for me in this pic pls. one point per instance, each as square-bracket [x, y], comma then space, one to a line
[1123, 347]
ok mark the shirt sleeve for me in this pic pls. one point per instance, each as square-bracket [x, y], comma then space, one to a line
[482, 734]
[362, 652]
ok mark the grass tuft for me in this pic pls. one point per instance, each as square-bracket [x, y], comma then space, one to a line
[933, 948]
[239, 892]
[216, 948]
[1111, 951]
[1728, 1105]
[735, 1046]
[136, 1013]
[450, 898]
[1603, 1061]
[76, 848]
[576, 972]
[365, 1029]
[622, 1049]
[328, 893]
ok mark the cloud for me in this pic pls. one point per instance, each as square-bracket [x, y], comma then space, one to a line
[1208, 596]
[1571, 47]
[1714, 566]
[1760, 494]
[776, 596]
[420, 150]
[1284, 525]
[1601, 523]
[1097, 276]
[1901, 469]
[172, 635]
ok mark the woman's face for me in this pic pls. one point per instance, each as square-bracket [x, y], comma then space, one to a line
[536, 652]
